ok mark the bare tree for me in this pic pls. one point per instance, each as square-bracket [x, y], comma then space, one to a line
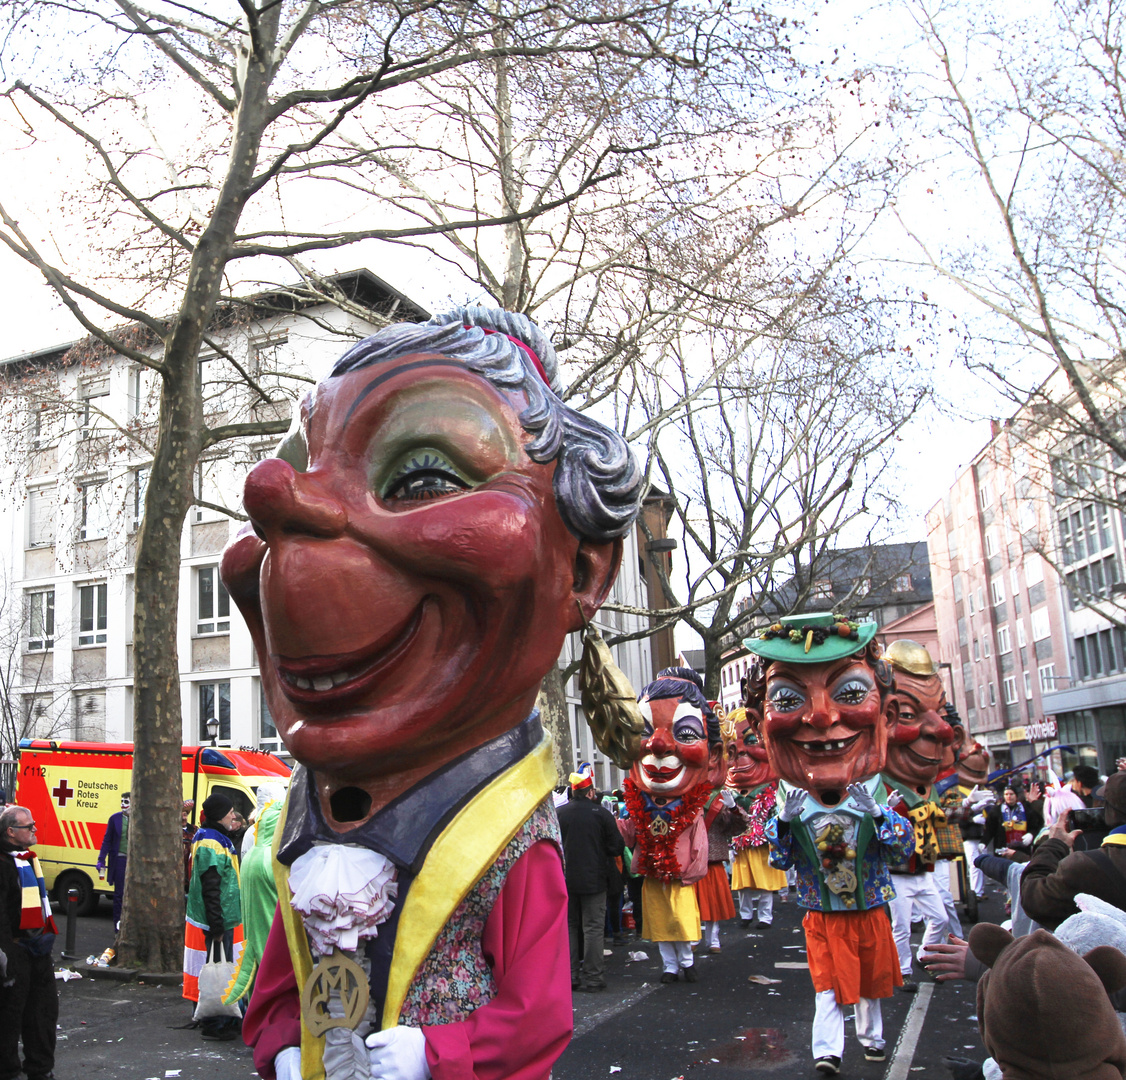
[276, 95]
[1032, 101]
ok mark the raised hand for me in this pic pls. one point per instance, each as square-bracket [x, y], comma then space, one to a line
[864, 801]
[795, 800]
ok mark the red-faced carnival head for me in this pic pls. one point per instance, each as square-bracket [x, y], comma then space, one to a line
[682, 743]
[820, 698]
[434, 525]
[922, 740]
[750, 767]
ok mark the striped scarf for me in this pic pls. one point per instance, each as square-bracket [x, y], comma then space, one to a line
[35, 913]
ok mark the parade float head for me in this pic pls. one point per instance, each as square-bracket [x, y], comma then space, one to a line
[749, 766]
[973, 764]
[921, 741]
[433, 526]
[821, 701]
[681, 746]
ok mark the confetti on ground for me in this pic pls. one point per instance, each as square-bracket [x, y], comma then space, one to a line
[615, 1068]
[762, 980]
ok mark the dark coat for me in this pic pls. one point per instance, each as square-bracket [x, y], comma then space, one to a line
[1055, 874]
[11, 902]
[590, 839]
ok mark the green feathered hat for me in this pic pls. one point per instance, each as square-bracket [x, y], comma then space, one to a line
[815, 638]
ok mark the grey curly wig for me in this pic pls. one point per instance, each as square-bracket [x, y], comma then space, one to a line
[597, 479]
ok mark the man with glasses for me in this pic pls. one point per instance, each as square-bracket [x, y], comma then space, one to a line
[29, 1001]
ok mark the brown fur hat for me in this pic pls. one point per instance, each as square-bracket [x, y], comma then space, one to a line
[1044, 1012]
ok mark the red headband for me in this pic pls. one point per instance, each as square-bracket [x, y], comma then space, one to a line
[527, 350]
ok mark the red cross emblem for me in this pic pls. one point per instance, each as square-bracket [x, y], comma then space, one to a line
[63, 792]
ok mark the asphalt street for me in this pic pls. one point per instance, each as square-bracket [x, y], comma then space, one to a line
[721, 1027]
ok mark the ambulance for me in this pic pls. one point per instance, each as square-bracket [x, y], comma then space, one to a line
[72, 788]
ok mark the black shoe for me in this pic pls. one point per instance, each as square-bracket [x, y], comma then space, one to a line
[828, 1065]
[689, 973]
[576, 985]
[668, 976]
[875, 1053]
[744, 923]
[909, 987]
[619, 939]
[592, 988]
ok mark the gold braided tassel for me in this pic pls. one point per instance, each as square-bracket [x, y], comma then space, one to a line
[609, 702]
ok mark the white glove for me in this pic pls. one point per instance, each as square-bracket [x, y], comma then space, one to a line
[1026, 840]
[972, 796]
[727, 797]
[864, 802]
[978, 819]
[287, 1063]
[795, 800]
[399, 1053]
[892, 799]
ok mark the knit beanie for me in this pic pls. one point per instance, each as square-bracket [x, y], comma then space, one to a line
[216, 807]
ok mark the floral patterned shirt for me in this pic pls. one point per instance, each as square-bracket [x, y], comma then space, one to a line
[455, 979]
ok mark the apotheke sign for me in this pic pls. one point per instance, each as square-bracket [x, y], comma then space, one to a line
[1042, 729]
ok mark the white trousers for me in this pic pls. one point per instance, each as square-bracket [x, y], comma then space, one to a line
[828, 1025]
[709, 933]
[942, 870]
[972, 849]
[911, 889]
[765, 898]
[675, 954]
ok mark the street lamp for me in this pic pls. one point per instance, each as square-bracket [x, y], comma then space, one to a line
[212, 726]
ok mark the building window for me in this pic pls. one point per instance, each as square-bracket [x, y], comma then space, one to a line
[970, 600]
[990, 543]
[986, 648]
[981, 598]
[1009, 689]
[902, 583]
[1047, 675]
[139, 486]
[90, 391]
[1033, 570]
[215, 701]
[1004, 641]
[822, 589]
[985, 494]
[1022, 640]
[41, 620]
[977, 650]
[997, 591]
[90, 716]
[992, 694]
[92, 614]
[41, 517]
[1028, 686]
[43, 425]
[1041, 625]
[1014, 581]
[268, 738]
[93, 520]
[213, 602]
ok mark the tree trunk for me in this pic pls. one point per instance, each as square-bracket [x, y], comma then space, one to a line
[552, 704]
[152, 922]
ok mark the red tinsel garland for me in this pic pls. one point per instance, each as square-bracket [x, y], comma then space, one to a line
[660, 851]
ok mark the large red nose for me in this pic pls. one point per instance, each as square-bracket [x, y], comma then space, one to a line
[280, 500]
[660, 743]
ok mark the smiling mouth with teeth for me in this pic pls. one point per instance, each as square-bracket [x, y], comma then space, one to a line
[325, 680]
[825, 747]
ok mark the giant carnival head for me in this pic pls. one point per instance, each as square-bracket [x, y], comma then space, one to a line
[682, 743]
[820, 698]
[433, 526]
[750, 767]
[921, 741]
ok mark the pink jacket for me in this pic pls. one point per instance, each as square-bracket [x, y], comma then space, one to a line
[691, 850]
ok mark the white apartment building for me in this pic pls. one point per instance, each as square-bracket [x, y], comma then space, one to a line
[75, 474]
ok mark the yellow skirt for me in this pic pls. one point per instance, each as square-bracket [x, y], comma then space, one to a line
[669, 912]
[752, 870]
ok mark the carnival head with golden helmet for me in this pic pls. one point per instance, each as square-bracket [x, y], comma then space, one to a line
[921, 738]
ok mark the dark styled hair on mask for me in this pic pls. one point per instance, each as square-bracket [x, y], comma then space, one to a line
[873, 653]
[597, 481]
[686, 684]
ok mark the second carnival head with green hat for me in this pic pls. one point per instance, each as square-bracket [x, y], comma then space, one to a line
[821, 697]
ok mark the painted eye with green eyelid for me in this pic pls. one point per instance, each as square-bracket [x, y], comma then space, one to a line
[423, 474]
